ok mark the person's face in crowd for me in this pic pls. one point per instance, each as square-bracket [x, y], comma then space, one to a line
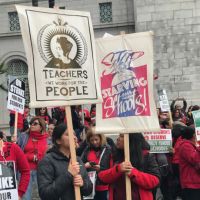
[178, 107]
[42, 111]
[177, 113]
[27, 111]
[50, 129]
[35, 126]
[95, 141]
[120, 142]
[63, 142]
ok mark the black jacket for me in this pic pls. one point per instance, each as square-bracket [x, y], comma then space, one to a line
[54, 180]
[105, 160]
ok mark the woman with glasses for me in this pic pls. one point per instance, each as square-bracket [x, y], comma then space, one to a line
[57, 175]
[34, 145]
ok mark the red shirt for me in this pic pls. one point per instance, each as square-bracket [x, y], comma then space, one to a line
[13, 153]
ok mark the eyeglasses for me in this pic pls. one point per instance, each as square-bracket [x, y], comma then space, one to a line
[42, 109]
[34, 123]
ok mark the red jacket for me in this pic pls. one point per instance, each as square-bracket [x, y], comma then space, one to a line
[144, 182]
[189, 165]
[175, 159]
[13, 153]
[20, 120]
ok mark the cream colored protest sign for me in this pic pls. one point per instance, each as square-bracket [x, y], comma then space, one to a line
[59, 45]
[125, 64]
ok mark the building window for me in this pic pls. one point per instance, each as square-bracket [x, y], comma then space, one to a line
[19, 69]
[105, 12]
[14, 21]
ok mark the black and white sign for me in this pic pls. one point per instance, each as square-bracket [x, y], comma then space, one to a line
[8, 183]
[163, 100]
[61, 56]
[16, 96]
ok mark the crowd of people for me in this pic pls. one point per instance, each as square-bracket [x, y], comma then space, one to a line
[42, 157]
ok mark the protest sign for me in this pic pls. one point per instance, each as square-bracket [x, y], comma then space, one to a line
[16, 96]
[160, 142]
[125, 65]
[163, 100]
[8, 183]
[60, 51]
[196, 117]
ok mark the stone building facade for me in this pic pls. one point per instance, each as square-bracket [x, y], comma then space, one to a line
[176, 26]
[110, 16]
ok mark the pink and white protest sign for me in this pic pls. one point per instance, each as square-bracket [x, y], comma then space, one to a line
[125, 65]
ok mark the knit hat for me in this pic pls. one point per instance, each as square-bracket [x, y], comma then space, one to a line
[188, 133]
[58, 132]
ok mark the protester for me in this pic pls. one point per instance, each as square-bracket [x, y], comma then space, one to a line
[11, 152]
[96, 158]
[27, 118]
[174, 105]
[142, 170]
[43, 113]
[58, 115]
[93, 114]
[50, 132]
[189, 165]
[34, 145]
[76, 120]
[57, 175]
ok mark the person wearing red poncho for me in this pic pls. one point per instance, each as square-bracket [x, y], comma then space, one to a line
[11, 152]
[34, 144]
[142, 170]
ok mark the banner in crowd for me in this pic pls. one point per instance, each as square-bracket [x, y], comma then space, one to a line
[16, 96]
[8, 183]
[196, 117]
[125, 65]
[60, 51]
[163, 100]
[160, 142]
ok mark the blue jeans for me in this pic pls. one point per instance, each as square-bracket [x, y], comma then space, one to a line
[33, 180]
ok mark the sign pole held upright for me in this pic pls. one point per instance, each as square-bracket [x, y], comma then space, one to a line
[72, 145]
[127, 158]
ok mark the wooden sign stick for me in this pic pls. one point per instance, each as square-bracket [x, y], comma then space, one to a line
[170, 120]
[72, 145]
[14, 137]
[127, 158]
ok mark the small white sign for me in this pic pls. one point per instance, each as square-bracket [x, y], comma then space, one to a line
[163, 100]
[16, 96]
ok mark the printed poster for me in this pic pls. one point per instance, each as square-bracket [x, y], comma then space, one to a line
[160, 142]
[8, 183]
[196, 117]
[59, 45]
[125, 65]
[163, 100]
[16, 96]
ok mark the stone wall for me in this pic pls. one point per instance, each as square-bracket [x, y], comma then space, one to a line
[176, 25]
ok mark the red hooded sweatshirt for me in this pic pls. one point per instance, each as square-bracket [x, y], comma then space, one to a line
[189, 165]
[36, 146]
[13, 153]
